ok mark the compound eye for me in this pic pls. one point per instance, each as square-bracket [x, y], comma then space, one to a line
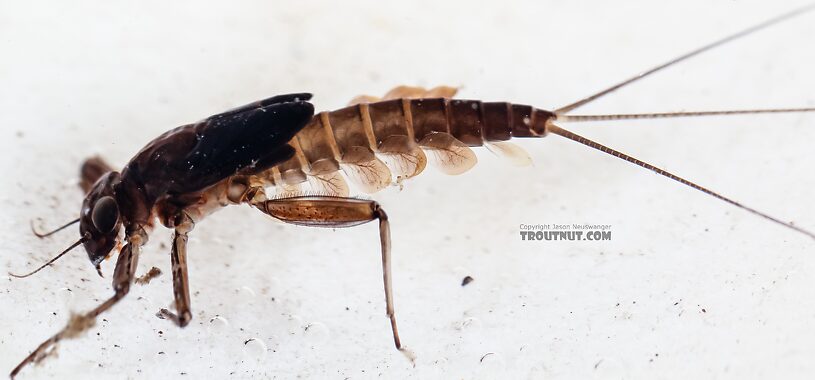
[105, 214]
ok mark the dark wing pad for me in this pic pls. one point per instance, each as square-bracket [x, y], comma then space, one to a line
[285, 98]
[254, 139]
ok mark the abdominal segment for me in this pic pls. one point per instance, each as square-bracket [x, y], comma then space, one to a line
[374, 143]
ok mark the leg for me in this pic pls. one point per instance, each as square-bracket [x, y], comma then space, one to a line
[122, 278]
[408, 92]
[334, 212]
[363, 99]
[181, 285]
[91, 170]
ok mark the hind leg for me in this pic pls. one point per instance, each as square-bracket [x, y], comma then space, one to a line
[333, 212]
[408, 92]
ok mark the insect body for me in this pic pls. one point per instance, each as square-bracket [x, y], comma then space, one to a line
[234, 157]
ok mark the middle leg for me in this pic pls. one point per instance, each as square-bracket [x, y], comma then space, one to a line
[181, 284]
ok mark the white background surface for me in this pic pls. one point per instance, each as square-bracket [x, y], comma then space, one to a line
[689, 287]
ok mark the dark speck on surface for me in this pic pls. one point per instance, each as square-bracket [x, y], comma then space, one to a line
[466, 280]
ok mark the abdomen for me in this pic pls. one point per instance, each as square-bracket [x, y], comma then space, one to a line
[376, 144]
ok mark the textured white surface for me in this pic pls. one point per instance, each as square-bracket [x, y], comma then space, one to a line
[689, 287]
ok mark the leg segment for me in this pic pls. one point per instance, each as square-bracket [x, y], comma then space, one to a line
[181, 285]
[408, 92]
[335, 212]
[92, 169]
[122, 279]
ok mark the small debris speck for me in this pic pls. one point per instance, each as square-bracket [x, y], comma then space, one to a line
[466, 281]
[149, 276]
[485, 355]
